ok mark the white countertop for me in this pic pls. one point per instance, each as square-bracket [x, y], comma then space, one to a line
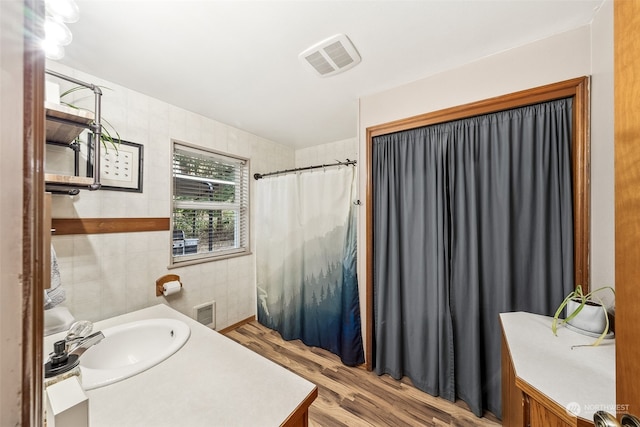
[210, 381]
[582, 375]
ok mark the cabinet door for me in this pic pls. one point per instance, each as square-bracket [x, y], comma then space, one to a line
[627, 204]
[513, 400]
[541, 416]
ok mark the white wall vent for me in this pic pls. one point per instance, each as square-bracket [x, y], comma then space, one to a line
[206, 314]
[331, 56]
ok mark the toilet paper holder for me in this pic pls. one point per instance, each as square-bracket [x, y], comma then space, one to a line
[166, 279]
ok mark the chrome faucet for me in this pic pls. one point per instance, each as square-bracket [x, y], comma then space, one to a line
[81, 344]
[78, 339]
[67, 351]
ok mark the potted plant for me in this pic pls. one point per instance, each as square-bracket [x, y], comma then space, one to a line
[586, 313]
[109, 134]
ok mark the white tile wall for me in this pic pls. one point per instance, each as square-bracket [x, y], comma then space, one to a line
[327, 153]
[110, 274]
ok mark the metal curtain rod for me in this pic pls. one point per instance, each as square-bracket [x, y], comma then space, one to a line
[262, 175]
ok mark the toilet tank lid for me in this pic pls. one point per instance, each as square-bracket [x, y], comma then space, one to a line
[57, 319]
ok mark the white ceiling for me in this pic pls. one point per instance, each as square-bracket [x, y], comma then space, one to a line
[237, 61]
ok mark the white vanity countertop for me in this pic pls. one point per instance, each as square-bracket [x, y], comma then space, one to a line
[210, 381]
[583, 375]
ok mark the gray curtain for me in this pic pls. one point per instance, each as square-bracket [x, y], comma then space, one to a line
[471, 218]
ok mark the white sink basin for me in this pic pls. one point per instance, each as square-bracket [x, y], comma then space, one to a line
[131, 348]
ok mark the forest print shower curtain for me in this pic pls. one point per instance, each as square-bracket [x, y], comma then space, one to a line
[306, 259]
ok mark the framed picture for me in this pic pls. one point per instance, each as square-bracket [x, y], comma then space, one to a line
[120, 166]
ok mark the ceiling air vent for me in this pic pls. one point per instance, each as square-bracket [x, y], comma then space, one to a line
[331, 56]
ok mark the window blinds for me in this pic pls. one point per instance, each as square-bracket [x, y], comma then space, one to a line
[210, 204]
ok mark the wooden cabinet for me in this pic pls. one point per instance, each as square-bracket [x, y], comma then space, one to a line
[514, 403]
[541, 415]
[543, 376]
[523, 405]
[546, 415]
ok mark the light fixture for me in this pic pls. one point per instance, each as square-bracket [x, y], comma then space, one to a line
[64, 10]
[52, 50]
[56, 33]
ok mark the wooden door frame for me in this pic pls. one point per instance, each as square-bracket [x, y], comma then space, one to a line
[578, 89]
[35, 230]
[627, 203]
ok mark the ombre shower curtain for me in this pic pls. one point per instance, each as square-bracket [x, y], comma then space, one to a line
[306, 259]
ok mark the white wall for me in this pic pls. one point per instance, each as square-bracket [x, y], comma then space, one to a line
[602, 151]
[11, 137]
[327, 153]
[557, 58]
[109, 274]
[551, 60]
[584, 51]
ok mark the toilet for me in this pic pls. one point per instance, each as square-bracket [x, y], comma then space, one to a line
[57, 319]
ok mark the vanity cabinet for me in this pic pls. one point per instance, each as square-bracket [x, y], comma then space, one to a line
[544, 375]
[546, 415]
[523, 405]
[210, 381]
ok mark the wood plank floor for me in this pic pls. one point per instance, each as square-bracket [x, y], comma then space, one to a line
[353, 396]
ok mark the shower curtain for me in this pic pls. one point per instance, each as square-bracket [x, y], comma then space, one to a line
[306, 260]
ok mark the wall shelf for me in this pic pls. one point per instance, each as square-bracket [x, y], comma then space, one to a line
[64, 125]
[82, 181]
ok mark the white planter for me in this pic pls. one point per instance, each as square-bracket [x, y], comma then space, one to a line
[52, 92]
[592, 318]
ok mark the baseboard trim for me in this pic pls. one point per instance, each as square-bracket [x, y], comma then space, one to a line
[237, 325]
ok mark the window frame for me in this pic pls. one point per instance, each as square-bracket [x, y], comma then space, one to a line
[242, 207]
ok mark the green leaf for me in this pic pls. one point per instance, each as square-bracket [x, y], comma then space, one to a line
[107, 129]
[578, 294]
[554, 324]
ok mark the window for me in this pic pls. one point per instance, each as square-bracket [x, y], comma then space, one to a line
[210, 205]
